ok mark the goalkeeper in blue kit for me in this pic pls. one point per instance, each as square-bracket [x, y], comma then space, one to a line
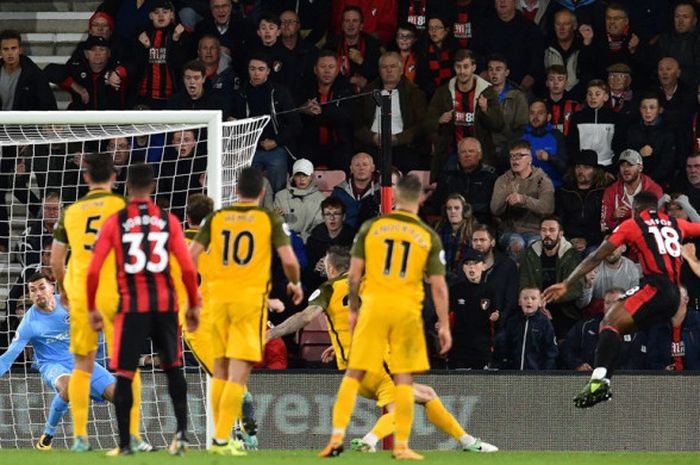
[46, 327]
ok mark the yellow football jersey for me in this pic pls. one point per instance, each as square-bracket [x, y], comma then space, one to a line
[240, 240]
[332, 297]
[398, 248]
[78, 228]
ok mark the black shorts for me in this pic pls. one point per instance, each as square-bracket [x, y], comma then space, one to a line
[654, 301]
[131, 331]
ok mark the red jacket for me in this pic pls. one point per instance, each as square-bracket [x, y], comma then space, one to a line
[614, 196]
[380, 17]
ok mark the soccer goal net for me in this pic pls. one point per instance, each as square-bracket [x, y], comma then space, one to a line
[41, 165]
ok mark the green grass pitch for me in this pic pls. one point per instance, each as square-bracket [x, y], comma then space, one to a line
[303, 457]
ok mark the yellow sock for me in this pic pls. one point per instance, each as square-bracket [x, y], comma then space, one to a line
[135, 413]
[439, 416]
[229, 409]
[217, 389]
[79, 395]
[384, 426]
[344, 405]
[404, 413]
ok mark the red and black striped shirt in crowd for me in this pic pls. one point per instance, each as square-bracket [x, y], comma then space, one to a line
[157, 82]
[656, 240]
[143, 236]
[462, 27]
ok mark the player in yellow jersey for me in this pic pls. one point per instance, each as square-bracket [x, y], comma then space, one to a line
[241, 239]
[392, 252]
[331, 299]
[199, 207]
[76, 231]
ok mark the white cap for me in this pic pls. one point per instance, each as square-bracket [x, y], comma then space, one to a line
[303, 166]
[631, 156]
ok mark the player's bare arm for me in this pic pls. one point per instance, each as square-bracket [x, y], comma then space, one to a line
[438, 288]
[557, 291]
[294, 322]
[290, 264]
[59, 251]
[688, 253]
[196, 250]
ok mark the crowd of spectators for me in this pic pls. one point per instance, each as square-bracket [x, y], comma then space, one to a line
[537, 120]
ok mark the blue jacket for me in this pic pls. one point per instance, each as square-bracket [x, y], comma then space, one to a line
[660, 343]
[550, 140]
[528, 343]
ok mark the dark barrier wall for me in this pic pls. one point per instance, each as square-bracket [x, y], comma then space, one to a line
[513, 411]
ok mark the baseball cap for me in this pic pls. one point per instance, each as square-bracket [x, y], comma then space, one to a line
[631, 156]
[472, 255]
[303, 166]
[95, 41]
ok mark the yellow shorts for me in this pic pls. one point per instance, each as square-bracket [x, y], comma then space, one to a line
[83, 339]
[378, 386]
[383, 326]
[200, 342]
[238, 329]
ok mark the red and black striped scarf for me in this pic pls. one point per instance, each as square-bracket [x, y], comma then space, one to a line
[677, 348]
[439, 64]
[615, 43]
[347, 67]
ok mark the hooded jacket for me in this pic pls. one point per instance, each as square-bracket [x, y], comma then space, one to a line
[614, 197]
[567, 259]
[514, 107]
[443, 135]
[594, 130]
[352, 205]
[550, 140]
[528, 343]
[301, 208]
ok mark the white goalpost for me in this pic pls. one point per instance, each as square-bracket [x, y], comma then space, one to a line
[40, 174]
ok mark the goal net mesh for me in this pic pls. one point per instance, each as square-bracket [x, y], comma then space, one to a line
[40, 175]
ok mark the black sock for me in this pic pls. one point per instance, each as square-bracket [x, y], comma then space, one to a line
[177, 387]
[123, 400]
[607, 351]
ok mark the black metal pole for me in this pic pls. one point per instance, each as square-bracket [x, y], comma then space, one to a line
[385, 153]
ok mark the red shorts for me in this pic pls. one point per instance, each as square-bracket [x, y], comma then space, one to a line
[654, 301]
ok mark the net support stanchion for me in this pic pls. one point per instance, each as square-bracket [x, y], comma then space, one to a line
[385, 153]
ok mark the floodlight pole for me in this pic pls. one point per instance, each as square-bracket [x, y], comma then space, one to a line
[385, 153]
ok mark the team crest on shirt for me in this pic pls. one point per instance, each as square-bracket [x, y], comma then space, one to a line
[485, 304]
[83, 75]
[277, 66]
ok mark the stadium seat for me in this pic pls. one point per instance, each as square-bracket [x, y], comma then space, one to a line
[326, 180]
[313, 340]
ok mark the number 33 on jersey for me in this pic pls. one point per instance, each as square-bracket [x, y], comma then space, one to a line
[241, 239]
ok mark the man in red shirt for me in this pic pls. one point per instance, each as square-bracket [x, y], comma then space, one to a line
[143, 237]
[656, 239]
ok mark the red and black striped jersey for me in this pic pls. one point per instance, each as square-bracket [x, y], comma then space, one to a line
[656, 240]
[144, 239]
